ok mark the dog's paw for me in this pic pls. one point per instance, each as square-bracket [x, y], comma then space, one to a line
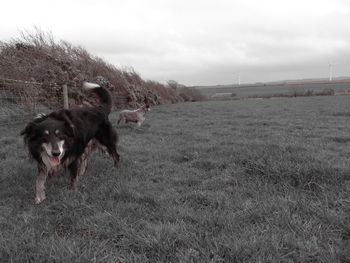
[39, 199]
[73, 185]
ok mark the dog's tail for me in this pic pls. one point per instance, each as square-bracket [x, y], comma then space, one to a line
[103, 94]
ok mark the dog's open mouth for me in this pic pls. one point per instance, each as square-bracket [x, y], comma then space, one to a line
[55, 161]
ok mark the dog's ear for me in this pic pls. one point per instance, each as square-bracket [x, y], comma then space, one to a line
[28, 128]
[30, 125]
[29, 131]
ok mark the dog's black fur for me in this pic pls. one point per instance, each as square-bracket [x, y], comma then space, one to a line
[66, 138]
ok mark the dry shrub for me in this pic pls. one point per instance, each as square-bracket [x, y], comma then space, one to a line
[186, 93]
[37, 56]
[191, 94]
[326, 92]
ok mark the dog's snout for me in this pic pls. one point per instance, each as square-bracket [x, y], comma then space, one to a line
[56, 153]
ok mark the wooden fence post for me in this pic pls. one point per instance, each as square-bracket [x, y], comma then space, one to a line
[65, 97]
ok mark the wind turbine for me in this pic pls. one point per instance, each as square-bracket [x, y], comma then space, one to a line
[331, 64]
[238, 78]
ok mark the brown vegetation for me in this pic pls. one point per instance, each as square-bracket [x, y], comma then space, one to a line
[38, 57]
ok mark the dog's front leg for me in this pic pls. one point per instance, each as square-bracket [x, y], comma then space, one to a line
[73, 167]
[116, 158]
[138, 124]
[40, 186]
[140, 121]
[77, 169]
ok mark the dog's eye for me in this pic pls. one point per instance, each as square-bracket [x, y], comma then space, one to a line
[45, 139]
[45, 136]
[67, 133]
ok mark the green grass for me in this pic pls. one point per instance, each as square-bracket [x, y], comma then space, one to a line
[236, 181]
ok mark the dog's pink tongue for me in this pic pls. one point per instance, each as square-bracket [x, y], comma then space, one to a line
[55, 161]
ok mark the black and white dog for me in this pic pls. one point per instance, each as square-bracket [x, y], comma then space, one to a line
[65, 138]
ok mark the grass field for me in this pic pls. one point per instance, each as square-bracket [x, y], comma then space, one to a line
[234, 181]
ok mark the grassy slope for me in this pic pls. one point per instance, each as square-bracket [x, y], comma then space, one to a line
[246, 181]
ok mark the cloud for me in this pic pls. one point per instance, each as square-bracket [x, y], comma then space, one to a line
[198, 41]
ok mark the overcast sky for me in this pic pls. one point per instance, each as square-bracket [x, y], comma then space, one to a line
[198, 42]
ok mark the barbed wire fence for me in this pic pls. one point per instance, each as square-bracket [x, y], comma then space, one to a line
[21, 100]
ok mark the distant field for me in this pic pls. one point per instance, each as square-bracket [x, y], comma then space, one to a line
[233, 181]
[269, 89]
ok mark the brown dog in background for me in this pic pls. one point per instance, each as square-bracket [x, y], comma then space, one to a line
[136, 116]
